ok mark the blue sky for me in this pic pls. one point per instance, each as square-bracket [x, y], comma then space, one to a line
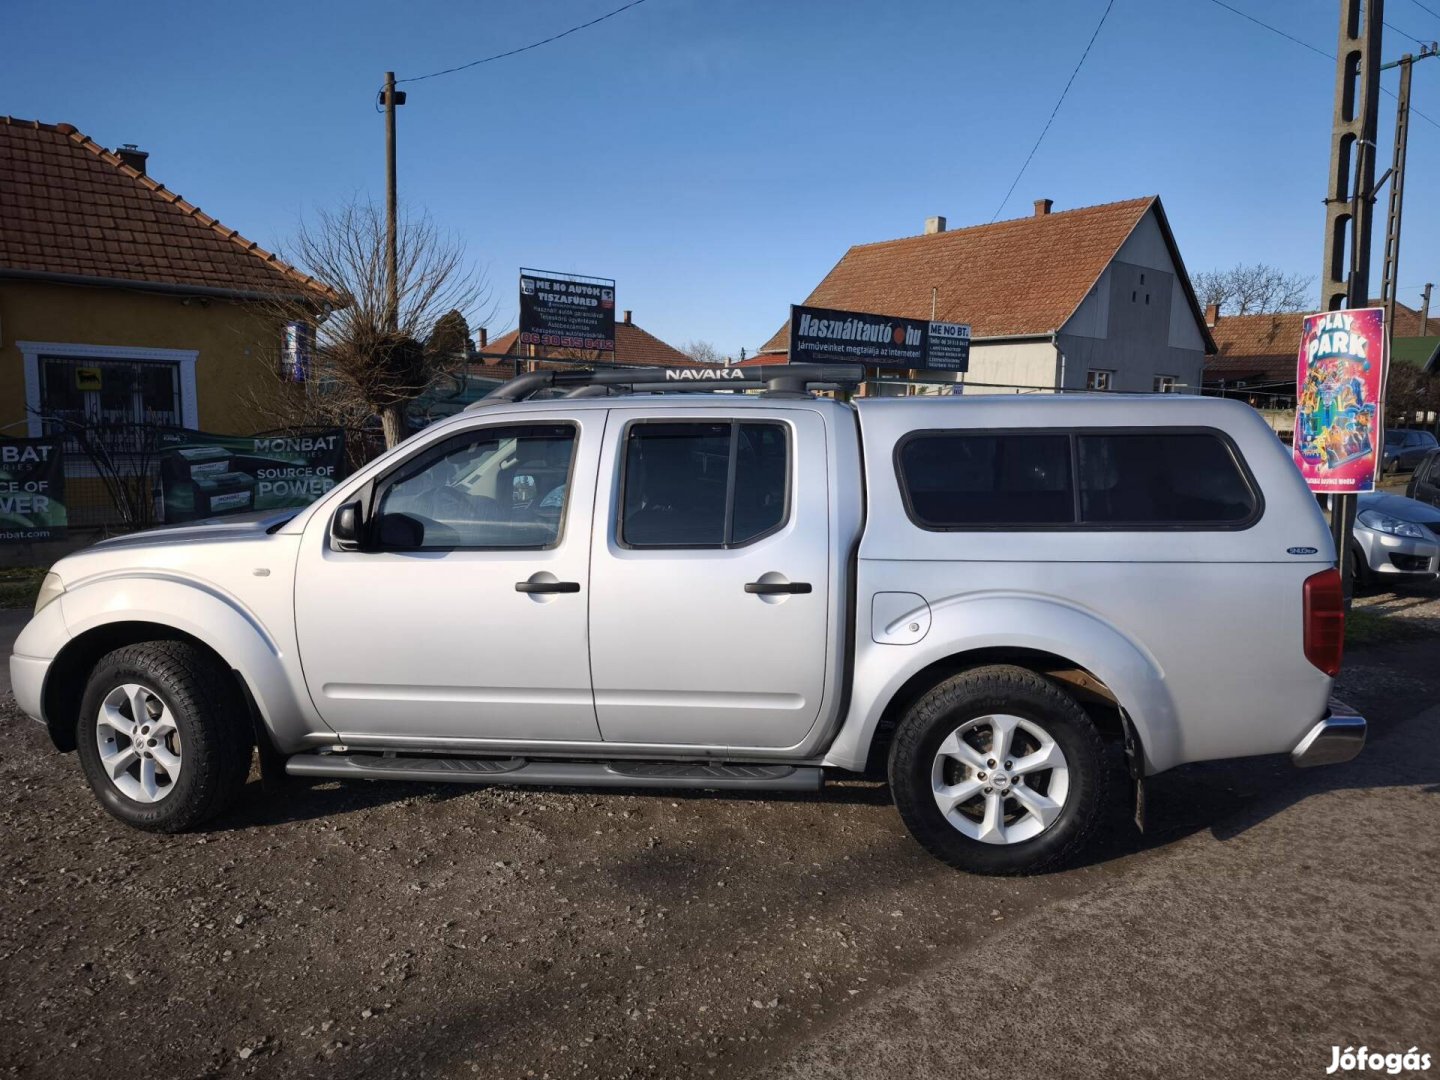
[717, 157]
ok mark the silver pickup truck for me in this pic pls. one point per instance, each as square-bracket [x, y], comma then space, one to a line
[1002, 602]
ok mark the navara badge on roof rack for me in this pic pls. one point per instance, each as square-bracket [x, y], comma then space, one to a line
[688, 374]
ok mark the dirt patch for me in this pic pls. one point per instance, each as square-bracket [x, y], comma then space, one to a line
[382, 930]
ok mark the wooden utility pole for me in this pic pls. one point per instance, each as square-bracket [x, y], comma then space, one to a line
[391, 98]
[1350, 203]
[1425, 310]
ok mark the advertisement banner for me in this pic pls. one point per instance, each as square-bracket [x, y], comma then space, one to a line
[1339, 380]
[32, 490]
[948, 347]
[825, 335]
[205, 475]
[563, 312]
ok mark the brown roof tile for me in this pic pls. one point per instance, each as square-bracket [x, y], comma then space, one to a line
[1009, 279]
[1265, 348]
[69, 207]
[632, 346]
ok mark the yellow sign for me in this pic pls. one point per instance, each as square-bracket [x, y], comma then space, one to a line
[87, 378]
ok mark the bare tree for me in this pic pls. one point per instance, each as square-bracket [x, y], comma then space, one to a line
[361, 368]
[702, 352]
[1260, 289]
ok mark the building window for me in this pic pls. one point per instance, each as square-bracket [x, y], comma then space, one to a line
[1164, 384]
[1099, 379]
[92, 385]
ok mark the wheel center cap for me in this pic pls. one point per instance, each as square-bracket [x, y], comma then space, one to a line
[1001, 780]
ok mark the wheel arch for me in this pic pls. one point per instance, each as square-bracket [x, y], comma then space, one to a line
[1088, 689]
[1111, 676]
[104, 614]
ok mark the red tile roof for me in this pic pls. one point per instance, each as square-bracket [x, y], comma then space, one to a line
[1255, 348]
[1265, 348]
[71, 209]
[1010, 279]
[632, 346]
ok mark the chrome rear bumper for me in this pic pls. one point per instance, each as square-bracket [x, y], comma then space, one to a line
[1339, 737]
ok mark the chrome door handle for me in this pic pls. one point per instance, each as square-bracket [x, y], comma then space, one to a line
[547, 586]
[772, 588]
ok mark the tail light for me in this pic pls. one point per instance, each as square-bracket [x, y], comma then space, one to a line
[1325, 620]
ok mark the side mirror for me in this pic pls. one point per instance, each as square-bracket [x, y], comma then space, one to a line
[345, 528]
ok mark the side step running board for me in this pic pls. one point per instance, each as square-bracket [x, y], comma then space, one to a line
[624, 774]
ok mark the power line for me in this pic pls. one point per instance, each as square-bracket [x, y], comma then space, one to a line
[1428, 11]
[1054, 111]
[1274, 30]
[524, 48]
[1412, 37]
[1319, 52]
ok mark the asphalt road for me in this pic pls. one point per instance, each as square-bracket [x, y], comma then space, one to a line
[368, 929]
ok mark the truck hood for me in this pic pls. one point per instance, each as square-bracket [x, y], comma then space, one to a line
[250, 526]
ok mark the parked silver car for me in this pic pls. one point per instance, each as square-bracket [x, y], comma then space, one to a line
[1396, 540]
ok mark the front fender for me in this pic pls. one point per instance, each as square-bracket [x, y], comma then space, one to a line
[265, 659]
[977, 621]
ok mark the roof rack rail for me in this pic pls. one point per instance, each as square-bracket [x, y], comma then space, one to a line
[780, 379]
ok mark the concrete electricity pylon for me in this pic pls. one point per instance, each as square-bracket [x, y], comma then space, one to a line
[1350, 201]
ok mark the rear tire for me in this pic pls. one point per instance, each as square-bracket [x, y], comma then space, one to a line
[998, 771]
[163, 736]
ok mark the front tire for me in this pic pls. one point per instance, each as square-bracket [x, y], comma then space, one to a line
[162, 736]
[998, 771]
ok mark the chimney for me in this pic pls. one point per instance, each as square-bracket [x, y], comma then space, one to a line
[627, 316]
[934, 225]
[1042, 206]
[132, 155]
[482, 337]
[1212, 314]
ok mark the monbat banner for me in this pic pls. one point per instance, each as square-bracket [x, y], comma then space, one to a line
[32, 490]
[1338, 383]
[204, 475]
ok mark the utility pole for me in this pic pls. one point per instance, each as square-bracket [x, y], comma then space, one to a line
[1349, 207]
[390, 99]
[1425, 310]
[1397, 187]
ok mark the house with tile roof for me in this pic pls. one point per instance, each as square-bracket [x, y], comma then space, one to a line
[1096, 297]
[121, 302]
[633, 345]
[1256, 355]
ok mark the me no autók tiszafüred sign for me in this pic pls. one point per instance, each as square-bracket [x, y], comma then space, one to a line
[560, 312]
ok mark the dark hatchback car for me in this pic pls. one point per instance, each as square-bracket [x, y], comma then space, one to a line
[1404, 449]
[1424, 483]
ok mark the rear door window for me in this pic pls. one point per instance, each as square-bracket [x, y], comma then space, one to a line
[704, 483]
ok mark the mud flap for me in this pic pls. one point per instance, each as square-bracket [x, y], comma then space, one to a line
[1135, 765]
[273, 777]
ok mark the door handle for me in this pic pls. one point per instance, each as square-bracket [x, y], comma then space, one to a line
[773, 588]
[547, 586]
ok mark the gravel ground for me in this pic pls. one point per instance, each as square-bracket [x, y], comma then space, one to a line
[1416, 607]
[376, 929]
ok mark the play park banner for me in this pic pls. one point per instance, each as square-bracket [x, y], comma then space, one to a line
[204, 475]
[1338, 385]
[32, 490]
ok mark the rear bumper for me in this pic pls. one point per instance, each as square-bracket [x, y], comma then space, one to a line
[1338, 737]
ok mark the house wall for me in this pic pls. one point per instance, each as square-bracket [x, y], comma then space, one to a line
[234, 346]
[1017, 365]
[1136, 321]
